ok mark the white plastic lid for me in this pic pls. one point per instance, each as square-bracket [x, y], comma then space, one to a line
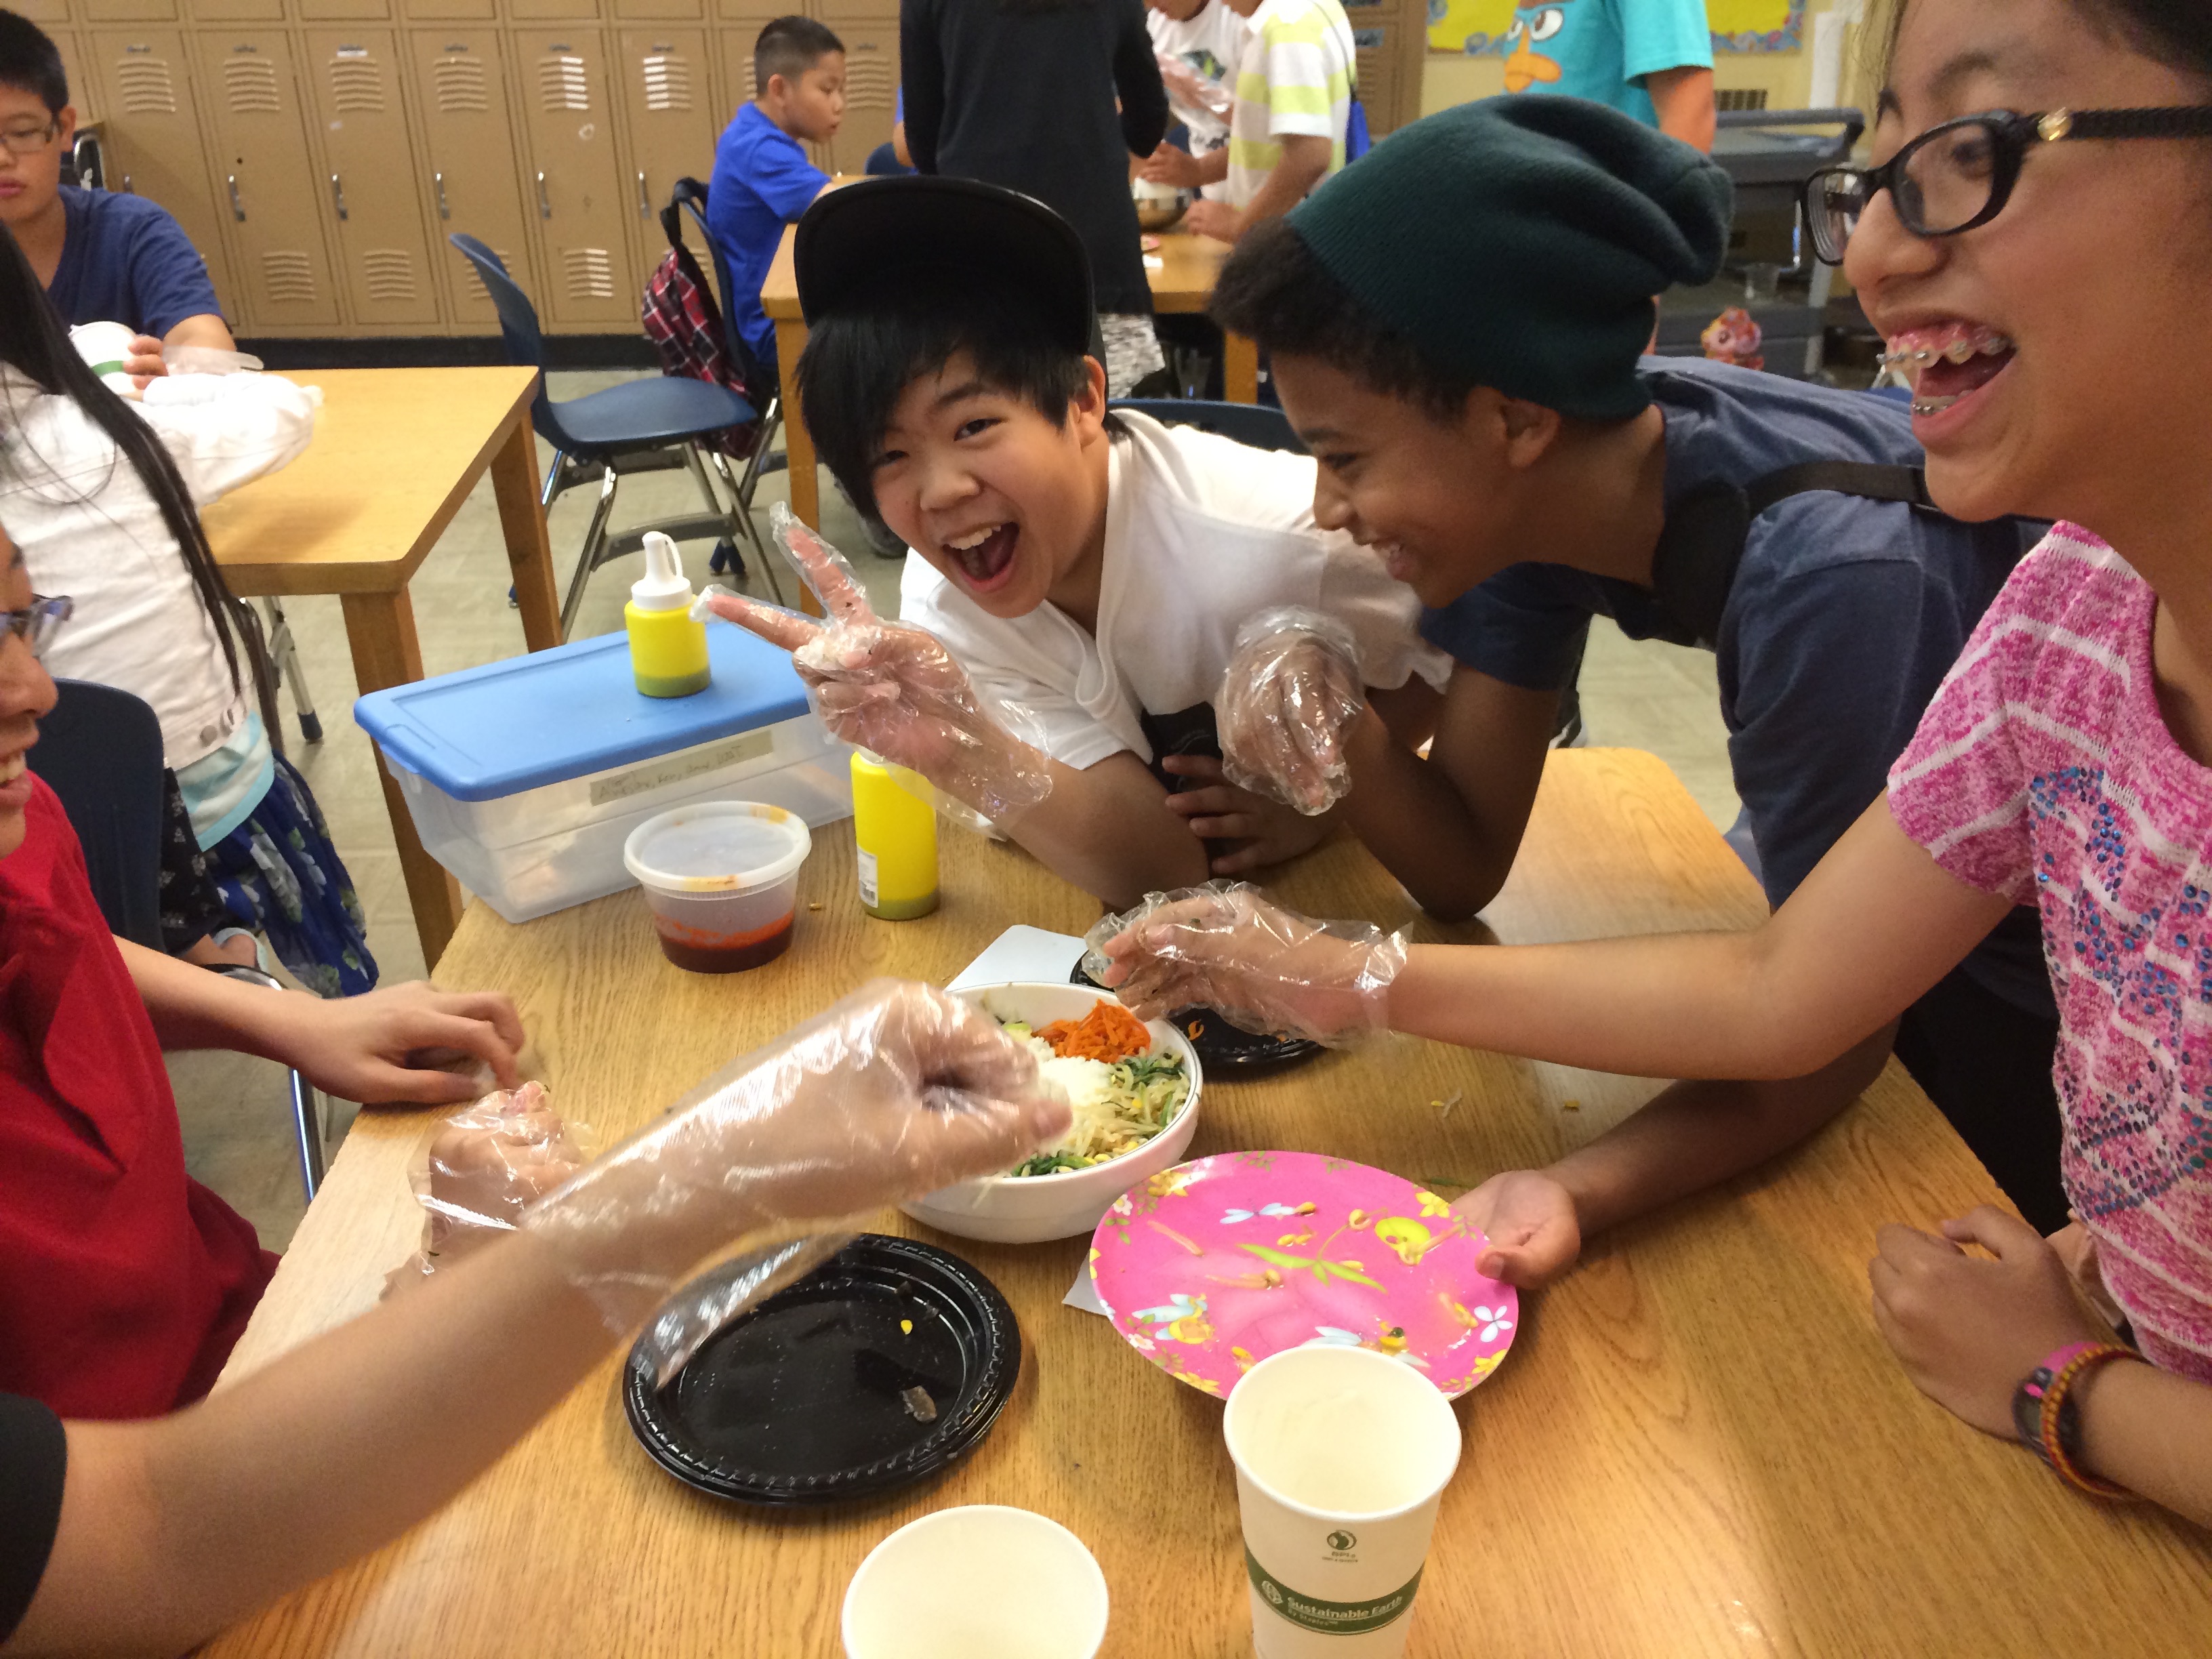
[663, 586]
[717, 846]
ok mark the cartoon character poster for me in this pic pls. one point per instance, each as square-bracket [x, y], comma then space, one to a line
[1505, 28]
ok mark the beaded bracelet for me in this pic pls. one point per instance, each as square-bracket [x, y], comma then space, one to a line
[2056, 1428]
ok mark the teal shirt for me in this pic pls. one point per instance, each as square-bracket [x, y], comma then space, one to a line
[1601, 50]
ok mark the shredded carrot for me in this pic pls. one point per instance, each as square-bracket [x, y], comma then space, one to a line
[1108, 1032]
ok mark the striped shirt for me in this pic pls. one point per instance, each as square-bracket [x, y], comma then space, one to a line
[2045, 772]
[1296, 78]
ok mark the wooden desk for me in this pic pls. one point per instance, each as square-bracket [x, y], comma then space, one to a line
[1698, 1445]
[1184, 282]
[396, 452]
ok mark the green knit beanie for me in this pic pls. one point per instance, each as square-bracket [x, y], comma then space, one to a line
[1520, 241]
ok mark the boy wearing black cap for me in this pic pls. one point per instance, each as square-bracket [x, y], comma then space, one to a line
[1092, 569]
[1455, 326]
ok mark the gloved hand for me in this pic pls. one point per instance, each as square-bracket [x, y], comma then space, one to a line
[891, 687]
[897, 1090]
[488, 1164]
[1292, 692]
[1225, 946]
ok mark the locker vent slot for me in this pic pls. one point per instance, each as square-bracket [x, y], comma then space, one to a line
[289, 276]
[591, 272]
[390, 273]
[356, 85]
[476, 289]
[250, 83]
[561, 83]
[460, 85]
[146, 86]
[870, 83]
[667, 83]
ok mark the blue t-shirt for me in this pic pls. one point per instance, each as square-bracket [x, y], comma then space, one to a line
[763, 181]
[126, 260]
[1601, 50]
[1845, 615]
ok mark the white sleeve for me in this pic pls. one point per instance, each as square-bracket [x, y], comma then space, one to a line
[223, 431]
[1384, 616]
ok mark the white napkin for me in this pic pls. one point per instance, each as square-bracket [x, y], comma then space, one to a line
[1022, 955]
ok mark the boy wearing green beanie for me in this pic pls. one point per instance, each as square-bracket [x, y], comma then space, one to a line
[1456, 325]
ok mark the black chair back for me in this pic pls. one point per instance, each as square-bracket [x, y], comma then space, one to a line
[100, 752]
[691, 196]
[1256, 424]
[518, 327]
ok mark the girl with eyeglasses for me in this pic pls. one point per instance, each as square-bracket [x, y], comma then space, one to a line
[2034, 242]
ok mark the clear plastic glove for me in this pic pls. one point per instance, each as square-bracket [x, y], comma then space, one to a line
[487, 1165]
[1226, 947]
[895, 1092]
[892, 688]
[1187, 88]
[1291, 694]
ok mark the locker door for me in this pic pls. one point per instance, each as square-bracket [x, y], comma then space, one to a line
[669, 122]
[274, 197]
[151, 132]
[470, 166]
[582, 202]
[374, 199]
[1374, 67]
[737, 35]
[872, 82]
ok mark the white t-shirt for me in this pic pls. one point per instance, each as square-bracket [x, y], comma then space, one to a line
[88, 528]
[1296, 78]
[1201, 533]
[1211, 45]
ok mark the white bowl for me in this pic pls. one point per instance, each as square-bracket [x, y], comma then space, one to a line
[1029, 1209]
[975, 1582]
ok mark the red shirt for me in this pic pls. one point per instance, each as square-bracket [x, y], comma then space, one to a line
[124, 1282]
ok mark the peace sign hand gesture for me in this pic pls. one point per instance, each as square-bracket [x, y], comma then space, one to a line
[889, 687]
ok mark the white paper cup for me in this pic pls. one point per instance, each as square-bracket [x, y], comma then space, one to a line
[1341, 1457]
[982, 1581]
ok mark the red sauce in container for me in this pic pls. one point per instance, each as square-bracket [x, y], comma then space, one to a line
[701, 952]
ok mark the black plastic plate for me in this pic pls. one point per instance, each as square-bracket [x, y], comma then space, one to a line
[885, 1365]
[1221, 1045]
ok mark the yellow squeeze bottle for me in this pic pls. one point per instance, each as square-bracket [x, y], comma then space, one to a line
[667, 649]
[894, 827]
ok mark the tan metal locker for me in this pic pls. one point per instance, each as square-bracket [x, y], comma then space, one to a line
[44, 11]
[670, 120]
[131, 11]
[1375, 55]
[678, 10]
[473, 10]
[736, 38]
[235, 11]
[150, 129]
[316, 11]
[469, 165]
[872, 84]
[274, 195]
[549, 9]
[374, 206]
[581, 201]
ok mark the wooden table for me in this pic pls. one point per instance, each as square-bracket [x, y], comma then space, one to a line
[1184, 282]
[1697, 1445]
[396, 452]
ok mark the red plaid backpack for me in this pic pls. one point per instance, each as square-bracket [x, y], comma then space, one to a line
[685, 324]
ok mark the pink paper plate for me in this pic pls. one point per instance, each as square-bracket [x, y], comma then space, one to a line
[1212, 1265]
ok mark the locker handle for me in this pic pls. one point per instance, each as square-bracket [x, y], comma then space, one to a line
[644, 201]
[544, 202]
[444, 212]
[337, 196]
[237, 207]
[127, 191]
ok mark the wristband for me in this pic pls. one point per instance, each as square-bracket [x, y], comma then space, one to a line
[2048, 1419]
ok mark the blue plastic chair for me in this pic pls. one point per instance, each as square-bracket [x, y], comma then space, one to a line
[644, 426]
[100, 751]
[1256, 424]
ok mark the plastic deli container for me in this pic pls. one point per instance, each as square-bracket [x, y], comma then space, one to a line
[721, 878]
[524, 776]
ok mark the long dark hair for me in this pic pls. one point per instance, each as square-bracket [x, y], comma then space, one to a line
[33, 342]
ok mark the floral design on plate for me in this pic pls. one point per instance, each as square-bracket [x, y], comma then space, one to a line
[1210, 1266]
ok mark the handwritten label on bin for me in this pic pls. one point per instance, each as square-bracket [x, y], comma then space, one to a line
[682, 768]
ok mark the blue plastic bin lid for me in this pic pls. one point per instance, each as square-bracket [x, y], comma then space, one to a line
[544, 718]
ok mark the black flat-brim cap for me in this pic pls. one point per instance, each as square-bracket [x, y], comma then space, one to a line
[877, 234]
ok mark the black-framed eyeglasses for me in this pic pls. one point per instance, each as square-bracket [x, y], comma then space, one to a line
[29, 141]
[37, 623]
[1960, 174]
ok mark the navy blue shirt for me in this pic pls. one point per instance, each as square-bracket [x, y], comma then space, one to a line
[1845, 615]
[763, 181]
[126, 260]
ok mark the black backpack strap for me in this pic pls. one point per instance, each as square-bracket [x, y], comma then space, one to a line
[1702, 543]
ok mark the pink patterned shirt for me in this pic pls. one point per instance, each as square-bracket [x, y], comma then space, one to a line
[2044, 771]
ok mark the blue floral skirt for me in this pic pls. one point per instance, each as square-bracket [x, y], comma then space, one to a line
[279, 876]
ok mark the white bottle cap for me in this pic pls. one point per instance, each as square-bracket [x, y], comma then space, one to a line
[663, 586]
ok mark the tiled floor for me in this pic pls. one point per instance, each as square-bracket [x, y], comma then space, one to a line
[1651, 696]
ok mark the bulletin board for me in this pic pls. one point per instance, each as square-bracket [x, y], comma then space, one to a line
[1478, 26]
